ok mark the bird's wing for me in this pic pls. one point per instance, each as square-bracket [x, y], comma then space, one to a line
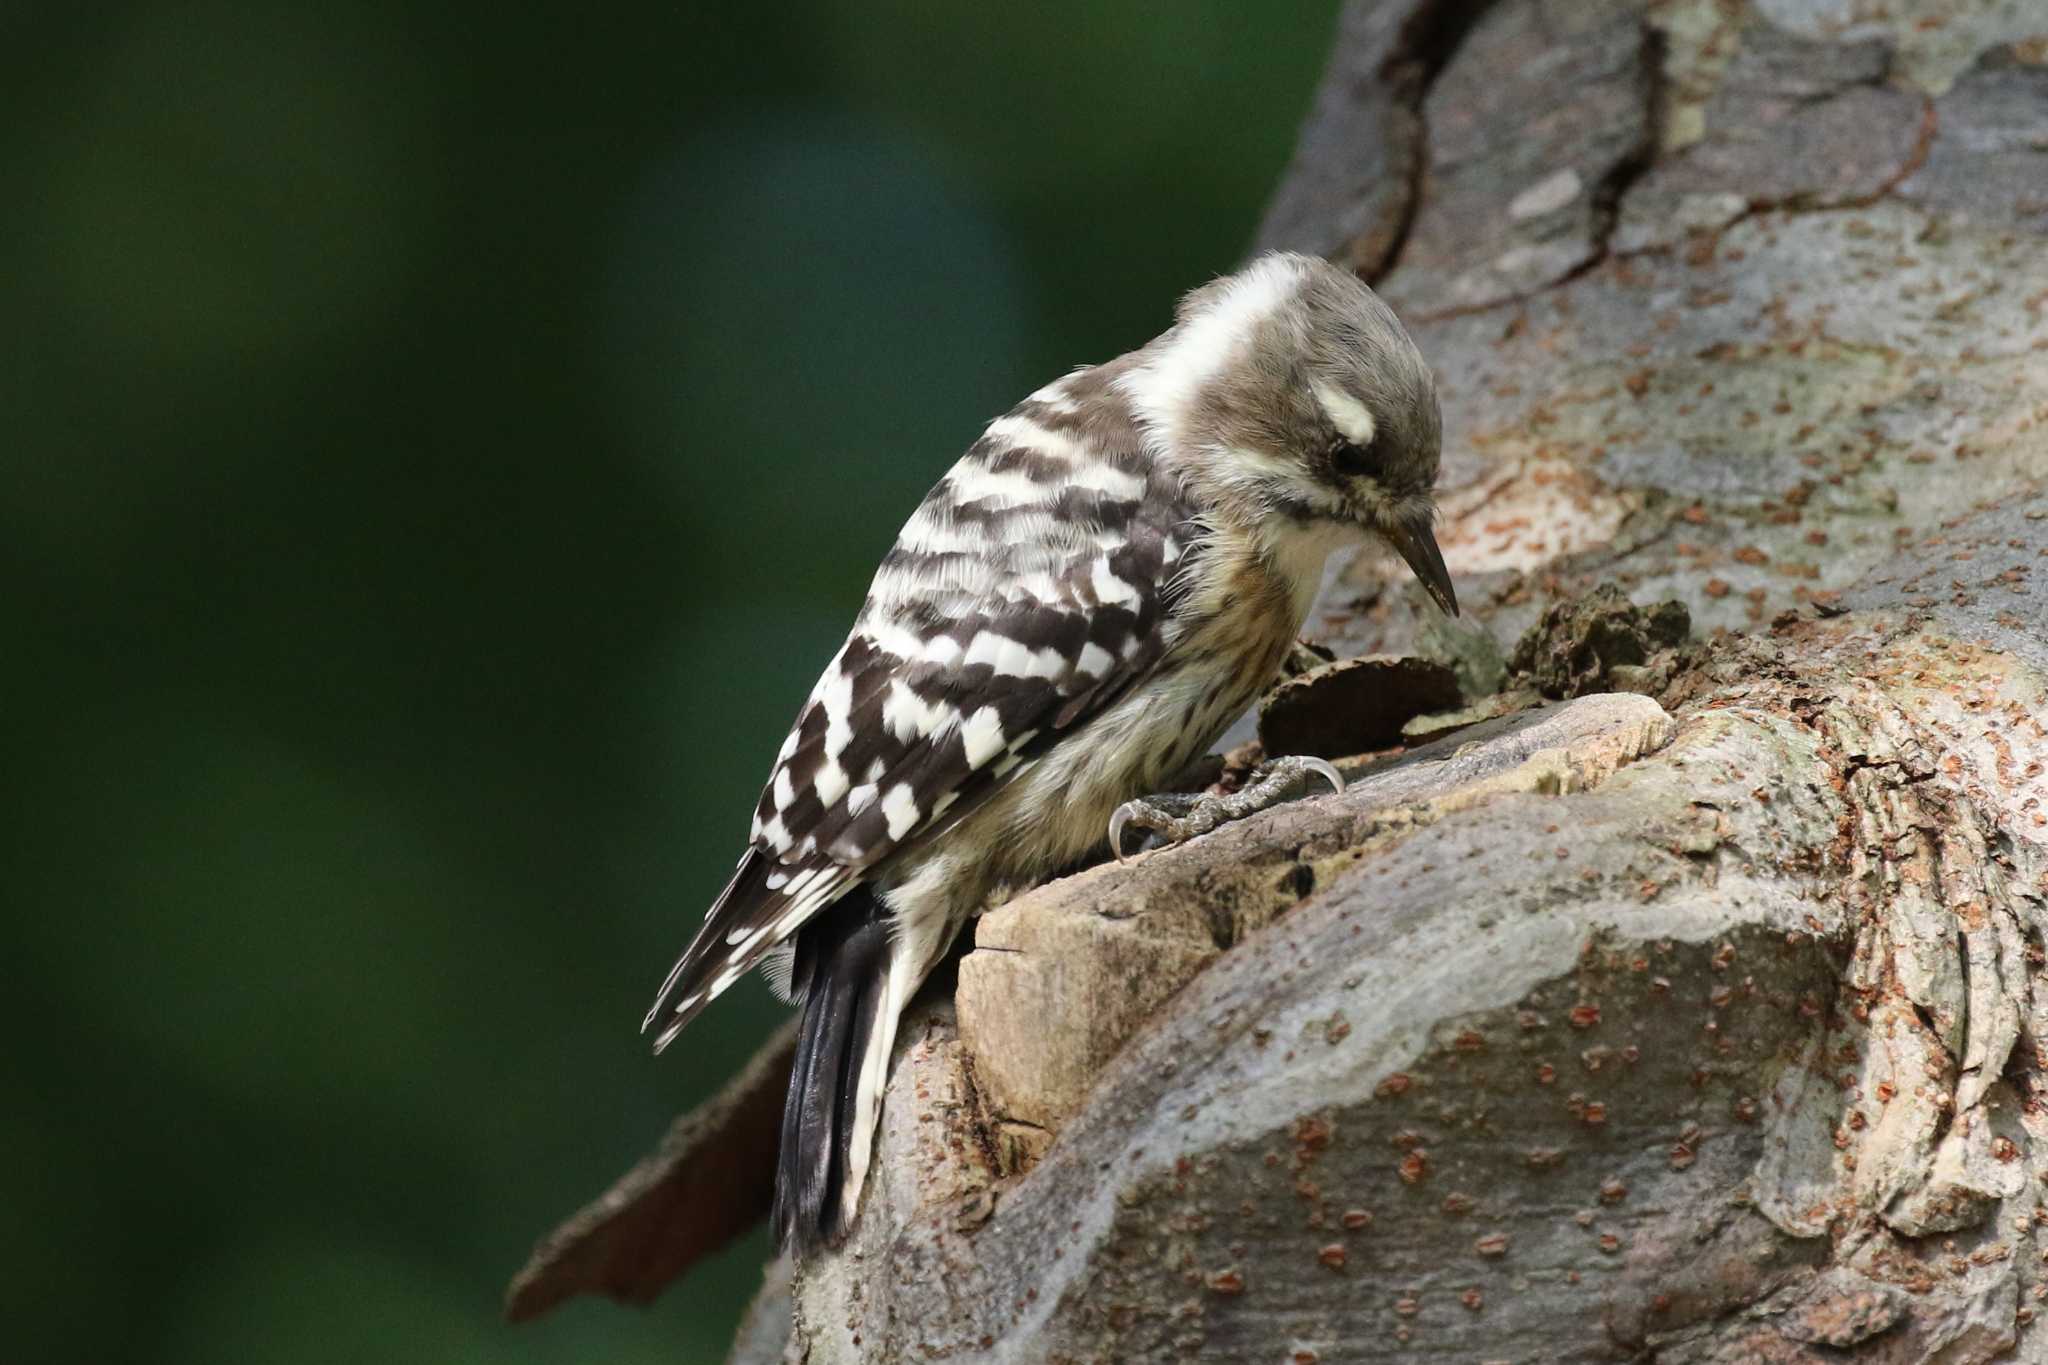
[1031, 588]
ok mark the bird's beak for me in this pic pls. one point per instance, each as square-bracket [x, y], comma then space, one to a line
[1417, 544]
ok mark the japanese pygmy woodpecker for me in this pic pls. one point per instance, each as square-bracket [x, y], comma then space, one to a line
[1088, 598]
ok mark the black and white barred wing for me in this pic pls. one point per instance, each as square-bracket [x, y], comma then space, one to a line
[1031, 588]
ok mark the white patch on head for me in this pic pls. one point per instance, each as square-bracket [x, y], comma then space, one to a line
[1347, 414]
[1165, 388]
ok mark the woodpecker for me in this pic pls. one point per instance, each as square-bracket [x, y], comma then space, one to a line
[1111, 574]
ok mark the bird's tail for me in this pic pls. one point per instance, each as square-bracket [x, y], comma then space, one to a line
[853, 985]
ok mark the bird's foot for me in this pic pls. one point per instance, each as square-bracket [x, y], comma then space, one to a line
[1178, 816]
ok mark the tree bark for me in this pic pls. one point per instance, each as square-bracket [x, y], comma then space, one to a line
[1704, 1031]
[1702, 1019]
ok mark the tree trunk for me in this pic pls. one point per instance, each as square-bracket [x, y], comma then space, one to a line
[1709, 1031]
[1707, 1025]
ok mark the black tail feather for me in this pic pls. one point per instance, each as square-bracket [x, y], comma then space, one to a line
[841, 969]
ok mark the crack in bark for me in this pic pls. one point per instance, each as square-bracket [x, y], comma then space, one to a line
[1607, 193]
[1703, 244]
[981, 1116]
[1429, 39]
[1614, 186]
[1353, 185]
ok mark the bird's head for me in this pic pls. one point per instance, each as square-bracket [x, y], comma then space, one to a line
[1295, 391]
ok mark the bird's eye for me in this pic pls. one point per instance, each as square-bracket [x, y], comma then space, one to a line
[1357, 461]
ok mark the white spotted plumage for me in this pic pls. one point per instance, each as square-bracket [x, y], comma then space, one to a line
[1097, 588]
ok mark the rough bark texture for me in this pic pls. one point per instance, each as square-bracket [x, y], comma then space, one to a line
[1703, 1028]
[1698, 1013]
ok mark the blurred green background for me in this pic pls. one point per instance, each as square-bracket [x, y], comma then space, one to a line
[441, 445]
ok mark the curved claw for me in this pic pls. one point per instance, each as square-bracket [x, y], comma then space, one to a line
[1118, 819]
[1327, 771]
